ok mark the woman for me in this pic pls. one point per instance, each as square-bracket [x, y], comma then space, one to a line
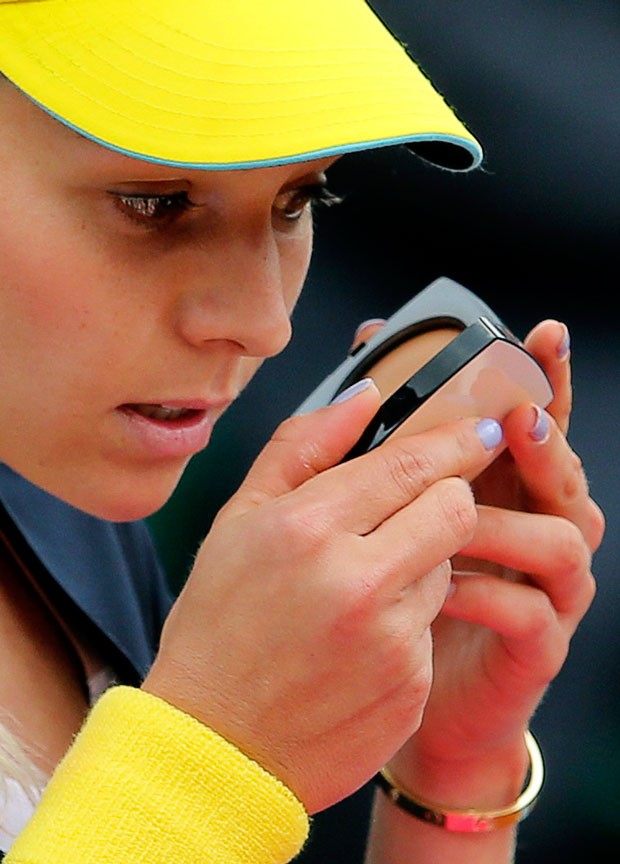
[161, 163]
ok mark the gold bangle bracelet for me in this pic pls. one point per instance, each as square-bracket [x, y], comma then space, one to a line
[471, 820]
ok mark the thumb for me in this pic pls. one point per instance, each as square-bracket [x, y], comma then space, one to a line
[306, 445]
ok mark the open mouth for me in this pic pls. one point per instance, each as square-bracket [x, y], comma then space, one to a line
[162, 413]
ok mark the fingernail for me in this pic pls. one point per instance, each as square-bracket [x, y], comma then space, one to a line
[353, 390]
[540, 430]
[372, 322]
[490, 433]
[563, 348]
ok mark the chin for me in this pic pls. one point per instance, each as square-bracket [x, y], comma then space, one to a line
[128, 502]
[128, 511]
[117, 494]
[120, 498]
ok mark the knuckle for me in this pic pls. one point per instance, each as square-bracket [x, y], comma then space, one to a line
[310, 454]
[419, 681]
[411, 469]
[289, 429]
[574, 481]
[301, 528]
[573, 564]
[407, 671]
[588, 591]
[458, 508]
[443, 574]
[355, 610]
[542, 614]
[595, 528]
[574, 556]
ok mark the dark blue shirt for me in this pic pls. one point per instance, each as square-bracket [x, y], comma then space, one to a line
[107, 572]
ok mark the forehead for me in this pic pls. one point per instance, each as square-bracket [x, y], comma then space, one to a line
[29, 131]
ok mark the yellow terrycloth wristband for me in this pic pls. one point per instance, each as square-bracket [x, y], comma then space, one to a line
[145, 782]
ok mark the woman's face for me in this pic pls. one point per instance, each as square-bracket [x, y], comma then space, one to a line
[136, 301]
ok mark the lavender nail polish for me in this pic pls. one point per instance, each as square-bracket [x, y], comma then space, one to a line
[540, 430]
[352, 391]
[490, 433]
[564, 346]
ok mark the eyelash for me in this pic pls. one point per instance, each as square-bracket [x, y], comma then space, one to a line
[315, 194]
[162, 211]
[142, 209]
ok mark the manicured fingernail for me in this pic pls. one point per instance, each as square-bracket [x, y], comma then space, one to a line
[540, 430]
[353, 390]
[563, 348]
[490, 433]
[372, 322]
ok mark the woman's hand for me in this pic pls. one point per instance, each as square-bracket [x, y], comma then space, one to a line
[520, 589]
[303, 633]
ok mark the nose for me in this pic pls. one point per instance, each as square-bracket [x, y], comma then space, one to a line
[236, 292]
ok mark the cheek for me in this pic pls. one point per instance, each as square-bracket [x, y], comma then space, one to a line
[42, 262]
[48, 312]
[33, 280]
[295, 254]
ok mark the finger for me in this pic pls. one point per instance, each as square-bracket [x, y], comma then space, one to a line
[549, 343]
[365, 331]
[522, 615]
[362, 493]
[551, 550]
[305, 445]
[512, 609]
[551, 472]
[425, 534]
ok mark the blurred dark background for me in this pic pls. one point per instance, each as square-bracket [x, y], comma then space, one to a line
[535, 233]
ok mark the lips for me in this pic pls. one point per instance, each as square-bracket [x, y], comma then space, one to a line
[164, 413]
[167, 430]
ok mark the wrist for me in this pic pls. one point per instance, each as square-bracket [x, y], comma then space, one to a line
[469, 820]
[144, 781]
[491, 779]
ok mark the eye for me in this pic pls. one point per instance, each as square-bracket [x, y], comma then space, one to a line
[153, 211]
[291, 204]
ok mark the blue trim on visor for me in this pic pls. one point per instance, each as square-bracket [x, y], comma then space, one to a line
[474, 149]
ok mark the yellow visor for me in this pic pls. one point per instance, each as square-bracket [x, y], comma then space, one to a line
[228, 83]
